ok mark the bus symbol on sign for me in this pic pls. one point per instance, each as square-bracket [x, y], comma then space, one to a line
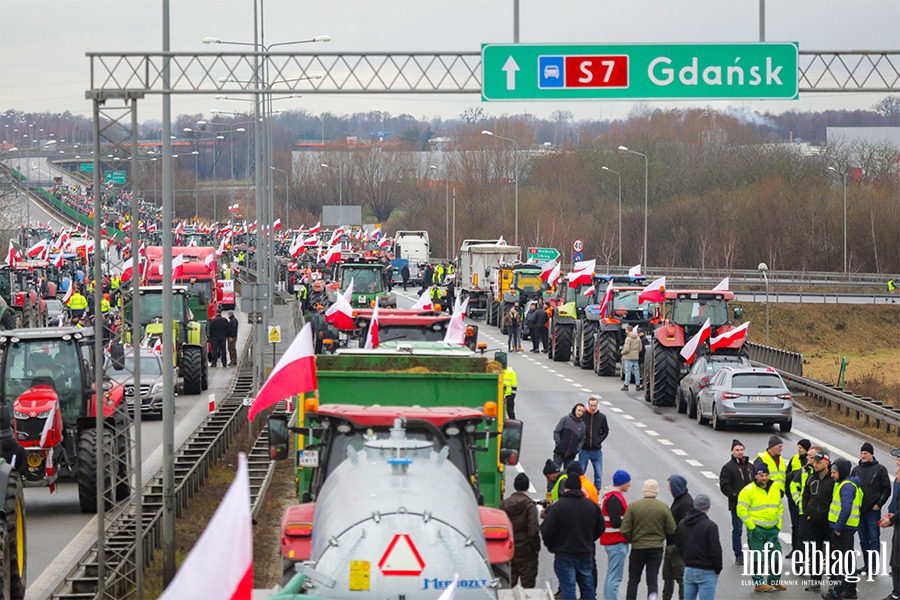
[569, 72]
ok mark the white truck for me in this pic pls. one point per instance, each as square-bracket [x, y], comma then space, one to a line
[412, 245]
[475, 262]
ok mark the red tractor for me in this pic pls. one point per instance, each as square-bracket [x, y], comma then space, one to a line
[684, 313]
[46, 376]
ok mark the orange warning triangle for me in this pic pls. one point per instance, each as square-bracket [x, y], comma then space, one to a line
[401, 558]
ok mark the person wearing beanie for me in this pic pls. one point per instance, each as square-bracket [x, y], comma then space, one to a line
[613, 508]
[523, 514]
[673, 566]
[772, 459]
[876, 488]
[568, 436]
[759, 507]
[815, 504]
[570, 531]
[733, 477]
[647, 524]
[794, 466]
[844, 516]
[697, 540]
[574, 470]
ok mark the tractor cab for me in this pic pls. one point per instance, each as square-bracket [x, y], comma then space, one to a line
[690, 309]
[368, 284]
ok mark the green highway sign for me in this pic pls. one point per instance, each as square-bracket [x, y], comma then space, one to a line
[542, 255]
[86, 167]
[115, 177]
[752, 71]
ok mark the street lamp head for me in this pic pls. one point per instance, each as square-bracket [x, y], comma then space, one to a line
[220, 137]
[187, 130]
[604, 168]
[486, 132]
[324, 166]
[240, 129]
[432, 167]
[201, 122]
[212, 40]
[195, 152]
[763, 267]
[623, 148]
[322, 38]
[832, 169]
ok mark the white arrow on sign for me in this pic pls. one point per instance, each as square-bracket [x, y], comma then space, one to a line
[510, 67]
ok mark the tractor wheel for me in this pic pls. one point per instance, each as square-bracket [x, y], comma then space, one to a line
[205, 380]
[691, 407]
[8, 321]
[501, 317]
[6, 565]
[607, 353]
[665, 375]
[588, 339]
[489, 316]
[576, 344]
[15, 546]
[192, 369]
[87, 468]
[562, 342]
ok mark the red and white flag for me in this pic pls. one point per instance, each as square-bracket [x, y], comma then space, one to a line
[584, 272]
[38, 249]
[58, 261]
[634, 271]
[70, 291]
[311, 241]
[690, 349]
[384, 243]
[233, 208]
[588, 292]
[179, 229]
[340, 314]
[729, 337]
[607, 296]
[294, 374]
[210, 261]
[722, 286]
[501, 241]
[424, 301]
[333, 255]
[12, 255]
[220, 566]
[221, 249]
[547, 269]
[654, 292]
[128, 268]
[372, 335]
[456, 329]
[157, 345]
[296, 246]
[277, 224]
[47, 431]
[336, 235]
[177, 267]
[315, 230]
[142, 250]
[555, 276]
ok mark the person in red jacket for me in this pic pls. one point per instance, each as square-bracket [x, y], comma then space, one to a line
[613, 508]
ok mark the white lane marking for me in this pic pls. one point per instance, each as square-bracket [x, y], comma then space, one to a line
[665, 442]
[578, 385]
[709, 475]
[560, 375]
[639, 425]
[819, 442]
[652, 433]
[551, 370]
[567, 379]
[628, 417]
[584, 389]
[694, 463]
[531, 489]
[614, 409]
[679, 452]
[605, 403]
[785, 538]
[520, 468]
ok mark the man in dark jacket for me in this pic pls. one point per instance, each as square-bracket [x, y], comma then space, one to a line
[673, 566]
[570, 531]
[697, 540]
[568, 437]
[815, 503]
[539, 327]
[232, 339]
[596, 429]
[523, 515]
[734, 476]
[218, 334]
[876, 488]
[404, 275]
[844, 525]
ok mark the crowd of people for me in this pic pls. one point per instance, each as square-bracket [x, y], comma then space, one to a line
[830, 503]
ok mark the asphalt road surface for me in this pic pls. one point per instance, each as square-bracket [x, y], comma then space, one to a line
[655, 443]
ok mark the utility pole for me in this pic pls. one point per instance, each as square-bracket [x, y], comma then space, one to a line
[762, 20]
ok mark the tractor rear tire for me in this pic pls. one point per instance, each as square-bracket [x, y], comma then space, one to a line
[192, 369]
[501, 317]
[489, 317]
[665, 375]
[607, 354]
[576, 344]
[561, 343]
[87, 469]
[205, 381]
[15, 543]
[6, 565]
[588, 340]
[8, 321]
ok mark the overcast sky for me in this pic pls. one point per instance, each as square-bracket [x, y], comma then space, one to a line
[43, 42]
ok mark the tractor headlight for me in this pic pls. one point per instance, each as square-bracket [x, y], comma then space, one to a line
[44, 414]
[21, 415]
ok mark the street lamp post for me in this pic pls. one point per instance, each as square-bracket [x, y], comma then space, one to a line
[340, 182]
[516, 152]
[844, 176]
[646, 203]
[287, 214]
[619, 175]
[762, 269]
[446, 210]
[196, 182]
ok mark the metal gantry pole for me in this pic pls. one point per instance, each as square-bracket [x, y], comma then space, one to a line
[516, 151]
[100, 393]
[136, 376]
[257, 130]
[646, 206]
[447, 213]
[168, 334]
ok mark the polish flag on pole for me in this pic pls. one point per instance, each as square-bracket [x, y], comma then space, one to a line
[634, 271]
[179, 229]
[584, 272]
[128, 268]
[555, 276]
[221, 249]
[607, 296]
[456, 329]
[12, 256]
[58, 261]
[384, 243]
[424, 301]
[210, 260]
[722, 286]
[296, 246]
[729, 337]
[654, 292]
[690, 349]
[70, 291]
[548, 268]
[47, 431]
[333, 255]
[311, 241]
[588, 292]
[294, 374]
[38, 249]
[220, 566]
[277, 224]
[177, 267]
[372, 335]
[157, 346]
[315, 230]
[501, 241]
[341, 313]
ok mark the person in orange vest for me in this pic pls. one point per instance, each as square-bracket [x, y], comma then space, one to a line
[614, 507]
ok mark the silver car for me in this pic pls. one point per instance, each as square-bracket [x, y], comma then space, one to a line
[151, 388]
[745, 395]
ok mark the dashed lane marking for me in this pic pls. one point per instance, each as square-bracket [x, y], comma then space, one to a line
[616, 410]
[639, 425]
[665, 442]
[567, 379]
[628, 417]
[709, 475]
[694, 463]
[651, 433]
[520, 468]
[605, 403]
[819, 442]
[679, 452]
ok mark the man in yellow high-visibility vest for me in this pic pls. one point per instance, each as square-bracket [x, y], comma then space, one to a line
[795, 465]
[759, 507]
[772, 459]
[846, 505]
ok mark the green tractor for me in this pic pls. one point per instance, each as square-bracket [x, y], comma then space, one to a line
[568, 307]
[368, 284]
[191, 349]
[516, 282]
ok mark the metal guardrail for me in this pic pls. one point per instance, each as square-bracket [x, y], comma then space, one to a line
[790, 365]
[800, 297]
[775, 276]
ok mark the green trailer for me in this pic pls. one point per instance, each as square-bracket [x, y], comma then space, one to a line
[415, 378]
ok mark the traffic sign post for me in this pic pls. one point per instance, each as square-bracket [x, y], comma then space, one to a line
[540, 256]
[752, 71]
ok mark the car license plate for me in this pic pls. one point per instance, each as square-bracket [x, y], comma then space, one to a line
[760, 399]
[307, 458]
[353, 343]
